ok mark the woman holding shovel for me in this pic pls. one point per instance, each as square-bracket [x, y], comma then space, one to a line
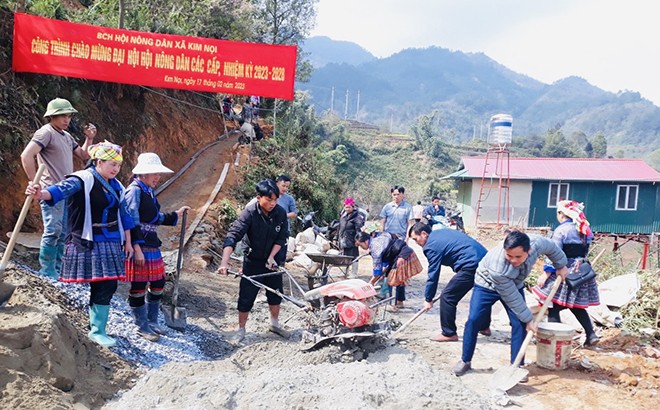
[99, 226]
[146, 270]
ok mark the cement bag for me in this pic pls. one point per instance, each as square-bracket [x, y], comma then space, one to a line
[303, 261]
[533, 303]
[311, 248]
[315, 266]
[306, 236]
[604, 316]
[291, 244]
[333, 252]
[323, 244]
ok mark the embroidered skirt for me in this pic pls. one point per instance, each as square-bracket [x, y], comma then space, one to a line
[398, 276]
[581, 297]
[105, 261]
[152, 270]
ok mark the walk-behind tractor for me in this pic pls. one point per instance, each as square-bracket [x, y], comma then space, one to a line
[345, 312]
[348, 312]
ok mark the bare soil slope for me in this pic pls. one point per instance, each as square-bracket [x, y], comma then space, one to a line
[47, 359]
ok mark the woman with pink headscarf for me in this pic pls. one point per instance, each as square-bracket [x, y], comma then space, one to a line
[573, 236]
[350, 222]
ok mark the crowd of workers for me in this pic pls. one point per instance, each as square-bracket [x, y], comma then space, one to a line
[98, 232]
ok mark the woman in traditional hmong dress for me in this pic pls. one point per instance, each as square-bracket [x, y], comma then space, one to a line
[146, 270]
[573, 236]
[387, 250]
[99, 237]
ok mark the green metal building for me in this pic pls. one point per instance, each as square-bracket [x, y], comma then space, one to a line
[621, 196]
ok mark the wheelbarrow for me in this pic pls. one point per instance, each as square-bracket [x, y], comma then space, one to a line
[320, 277]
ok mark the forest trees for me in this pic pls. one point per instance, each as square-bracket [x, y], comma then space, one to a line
[556, 145]
[287, 22]
[599, 145]
[426, 131]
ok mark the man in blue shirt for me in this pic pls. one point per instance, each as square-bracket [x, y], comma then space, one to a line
[397, 215]
[396, 218]
[287, 202]
[461, 253]
[434, 211]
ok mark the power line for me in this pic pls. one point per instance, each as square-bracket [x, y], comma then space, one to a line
[191, 104]
[181, 101]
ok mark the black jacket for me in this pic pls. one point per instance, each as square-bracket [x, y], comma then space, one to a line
[395, 250]
[349, 226]
[261, 231]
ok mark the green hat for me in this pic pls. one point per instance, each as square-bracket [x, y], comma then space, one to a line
[59, 106]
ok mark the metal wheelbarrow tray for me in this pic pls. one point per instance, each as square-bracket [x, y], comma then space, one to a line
[327, 261]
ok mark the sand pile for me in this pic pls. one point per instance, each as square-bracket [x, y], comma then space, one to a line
[47, 359]
[276, 375]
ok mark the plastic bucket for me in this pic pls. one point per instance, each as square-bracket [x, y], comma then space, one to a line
[553, 345]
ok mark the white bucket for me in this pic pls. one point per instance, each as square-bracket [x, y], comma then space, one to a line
[553, 345]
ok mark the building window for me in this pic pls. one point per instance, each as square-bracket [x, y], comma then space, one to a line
[556, 193]
[626, 197]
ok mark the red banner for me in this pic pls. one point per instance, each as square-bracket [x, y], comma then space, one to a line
[57, 47]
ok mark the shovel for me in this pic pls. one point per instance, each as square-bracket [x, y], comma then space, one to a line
[507, 377]
[175, 315]
[412, 319]
[7, 289]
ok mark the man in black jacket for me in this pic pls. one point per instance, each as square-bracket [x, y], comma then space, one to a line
[264, 226]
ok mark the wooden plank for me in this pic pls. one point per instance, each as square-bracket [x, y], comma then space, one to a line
[200, 215]
[189, 163]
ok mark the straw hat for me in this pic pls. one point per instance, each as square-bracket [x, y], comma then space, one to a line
[149, 163]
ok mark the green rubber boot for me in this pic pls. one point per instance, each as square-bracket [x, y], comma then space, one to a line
[48, 261]
[58, 258]
[385, 289]
[98, 320]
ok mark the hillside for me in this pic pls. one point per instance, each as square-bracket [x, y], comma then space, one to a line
[467, 88]
[47, 360]
[138, 118]
[323, 50]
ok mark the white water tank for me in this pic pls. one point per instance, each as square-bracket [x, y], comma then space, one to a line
[500, 130]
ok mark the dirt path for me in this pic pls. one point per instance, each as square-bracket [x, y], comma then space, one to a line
[267, 369]
[616, 375]
[194, 186]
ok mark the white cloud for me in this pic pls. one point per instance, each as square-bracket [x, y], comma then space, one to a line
[610, 43]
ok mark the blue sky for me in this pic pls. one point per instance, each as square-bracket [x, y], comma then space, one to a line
[615, 45]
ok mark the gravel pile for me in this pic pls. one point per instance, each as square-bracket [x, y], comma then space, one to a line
[173, 347]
